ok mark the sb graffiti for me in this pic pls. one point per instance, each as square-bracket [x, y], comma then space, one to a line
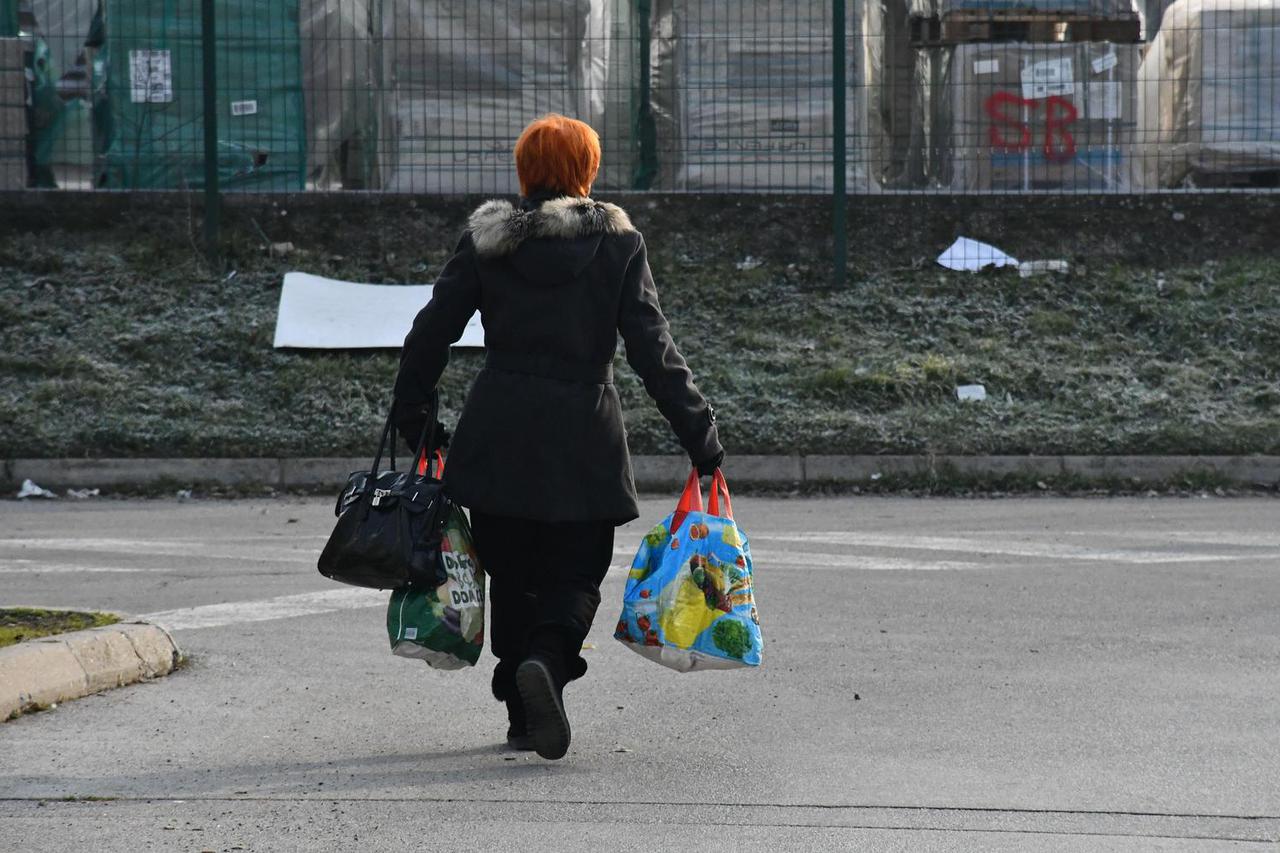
[1008, 131]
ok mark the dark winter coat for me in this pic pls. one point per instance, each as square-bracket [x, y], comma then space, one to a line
[541, 435]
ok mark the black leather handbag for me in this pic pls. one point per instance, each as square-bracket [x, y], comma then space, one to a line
[390, 523]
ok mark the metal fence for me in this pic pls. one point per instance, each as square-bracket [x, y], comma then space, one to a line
[428, 96]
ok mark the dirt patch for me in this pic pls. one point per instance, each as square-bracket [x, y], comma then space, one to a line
[23, 623]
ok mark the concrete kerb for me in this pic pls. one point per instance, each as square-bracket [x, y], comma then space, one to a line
[655, 472]
[39, 673]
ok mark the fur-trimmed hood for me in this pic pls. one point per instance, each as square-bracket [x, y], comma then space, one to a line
[499, 227]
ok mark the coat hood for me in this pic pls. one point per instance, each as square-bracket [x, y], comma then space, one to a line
[547, 242]
[499, 227]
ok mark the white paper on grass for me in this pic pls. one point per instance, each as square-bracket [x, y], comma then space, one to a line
[321, 313]
[971, 255]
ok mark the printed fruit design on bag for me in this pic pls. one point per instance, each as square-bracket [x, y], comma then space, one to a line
[652, 540]
[648, 634]
[725, 586]
[731, 637]
[685, 614]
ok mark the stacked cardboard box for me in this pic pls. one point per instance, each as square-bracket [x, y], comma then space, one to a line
[13, 114]
[1021, 116]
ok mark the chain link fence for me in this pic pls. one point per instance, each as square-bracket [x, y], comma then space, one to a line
[428, 96]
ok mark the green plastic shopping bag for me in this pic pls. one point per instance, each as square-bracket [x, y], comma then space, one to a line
[444, 625]
[690, 602]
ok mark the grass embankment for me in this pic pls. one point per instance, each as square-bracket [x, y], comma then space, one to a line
[120, 342]
[24, 623]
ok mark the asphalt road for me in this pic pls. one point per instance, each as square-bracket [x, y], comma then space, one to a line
[1017, 675]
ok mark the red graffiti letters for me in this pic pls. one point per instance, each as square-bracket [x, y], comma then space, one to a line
[1009, 131]
[1058, 114]
[995, 107]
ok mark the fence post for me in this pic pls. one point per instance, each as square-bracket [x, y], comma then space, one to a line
[839, 141]
[212, 197]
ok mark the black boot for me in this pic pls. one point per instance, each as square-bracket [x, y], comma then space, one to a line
[504, 690]
[518, 736]
[540, 681]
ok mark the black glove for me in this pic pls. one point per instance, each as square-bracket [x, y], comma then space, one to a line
[442, 437]
[708, 466]
[410, 420]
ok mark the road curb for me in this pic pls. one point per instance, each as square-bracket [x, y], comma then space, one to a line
[654, 472]
[38, 673]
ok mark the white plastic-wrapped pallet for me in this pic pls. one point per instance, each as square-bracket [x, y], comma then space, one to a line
[1209, 95]
[897, 77]
[748, 86]
[345, 104]
[469, 76]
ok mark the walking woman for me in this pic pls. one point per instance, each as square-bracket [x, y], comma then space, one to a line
[540, 454]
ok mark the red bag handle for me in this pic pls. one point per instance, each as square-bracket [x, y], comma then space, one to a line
[422, 464]
[690, 501]
[718, 485]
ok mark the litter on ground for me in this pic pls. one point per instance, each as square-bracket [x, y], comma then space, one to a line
[968, 255]
[31, 490]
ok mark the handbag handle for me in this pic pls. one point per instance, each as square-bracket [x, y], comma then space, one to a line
[690, 501]
[388, 440]
[718, 486]
[382, 443]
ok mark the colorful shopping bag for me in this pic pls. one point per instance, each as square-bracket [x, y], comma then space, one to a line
[444, 625]
[689, 602]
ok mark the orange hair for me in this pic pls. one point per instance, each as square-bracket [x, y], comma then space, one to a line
[557, 154]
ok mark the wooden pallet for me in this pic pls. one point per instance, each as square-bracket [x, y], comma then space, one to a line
[1262, 179]
[962, 27]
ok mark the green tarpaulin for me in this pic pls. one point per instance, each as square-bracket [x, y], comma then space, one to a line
[156, 102]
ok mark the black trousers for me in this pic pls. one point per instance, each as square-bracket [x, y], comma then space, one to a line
[544, 590]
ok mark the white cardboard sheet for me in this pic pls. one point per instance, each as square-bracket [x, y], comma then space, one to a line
[321, 313]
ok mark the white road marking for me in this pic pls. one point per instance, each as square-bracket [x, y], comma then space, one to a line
[1158, 538]
[1013, 549]
[1209, 537]
[168, 548]
[819, 560]
[268, 609]
[35, 567]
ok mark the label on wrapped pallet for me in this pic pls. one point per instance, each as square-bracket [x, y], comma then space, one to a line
[986, 66]
[244, 108]
[1105, 62]
[1047, 78]
[1104, 100]
[150, 77]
